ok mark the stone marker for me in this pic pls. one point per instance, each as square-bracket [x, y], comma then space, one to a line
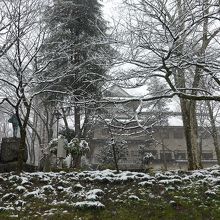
[14, 120]
[9, 150]
[61, 151]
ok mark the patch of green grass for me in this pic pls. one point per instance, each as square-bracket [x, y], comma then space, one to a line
[140, 210]
[151, 208]
[123, 200]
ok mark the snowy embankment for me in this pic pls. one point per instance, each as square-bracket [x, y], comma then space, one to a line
[96, 189]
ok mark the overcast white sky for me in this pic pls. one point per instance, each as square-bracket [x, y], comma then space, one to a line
[108, 6]
[111, 11]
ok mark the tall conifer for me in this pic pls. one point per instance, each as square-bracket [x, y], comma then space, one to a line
[77, 39]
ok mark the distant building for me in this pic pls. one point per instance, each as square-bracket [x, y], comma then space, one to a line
[166, 142]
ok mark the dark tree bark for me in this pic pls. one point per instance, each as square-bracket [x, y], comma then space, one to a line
[214, 132]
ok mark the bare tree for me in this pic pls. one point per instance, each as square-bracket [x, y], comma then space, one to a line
[114, 151]
[25, 65]
[175, 41]
[208, 119]
[18, 64]
[214, 130]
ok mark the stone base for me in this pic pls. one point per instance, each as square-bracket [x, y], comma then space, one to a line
[9, 150]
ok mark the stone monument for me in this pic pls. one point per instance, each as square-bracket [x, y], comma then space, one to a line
[10, 149]
[61, 151]
[14, 120]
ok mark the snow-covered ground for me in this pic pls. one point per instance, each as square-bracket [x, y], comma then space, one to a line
[95, 189]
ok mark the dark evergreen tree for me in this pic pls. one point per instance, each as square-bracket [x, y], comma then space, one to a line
[77, 39]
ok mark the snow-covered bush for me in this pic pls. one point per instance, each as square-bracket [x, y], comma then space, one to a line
[77, 147]
[145, 156]
[148, 157]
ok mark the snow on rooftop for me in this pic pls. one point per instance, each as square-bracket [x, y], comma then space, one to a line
[139, 91]
[175, 121]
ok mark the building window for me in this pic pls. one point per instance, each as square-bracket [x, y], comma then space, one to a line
[133, 153]
[178, 134]
[207, 155]
[104, 131]
[204, 134]
[180, 155]
[164, 134]
[167, 154]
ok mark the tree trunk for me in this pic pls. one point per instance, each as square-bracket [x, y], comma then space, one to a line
[87, 125]
[21, 150]
[188, 110]
[188, 107]
[115, 157]
[77, 121]
[76, 161]
[33, 139]
[164, 156]
[200, 147]
[23, 134]
[191, 133]
[65, 120]
[214, 132]
[50, 129]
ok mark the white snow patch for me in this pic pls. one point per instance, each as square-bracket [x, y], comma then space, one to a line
[133, 197]
[47, 188]
[6, 209]
[89, 204]
[20, 189]
[24, 180]
[94, 194]
[210, 193]
[35, 193]
[170, 181]
[78, 186]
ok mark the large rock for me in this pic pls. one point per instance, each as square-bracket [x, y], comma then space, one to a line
[9, 150]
